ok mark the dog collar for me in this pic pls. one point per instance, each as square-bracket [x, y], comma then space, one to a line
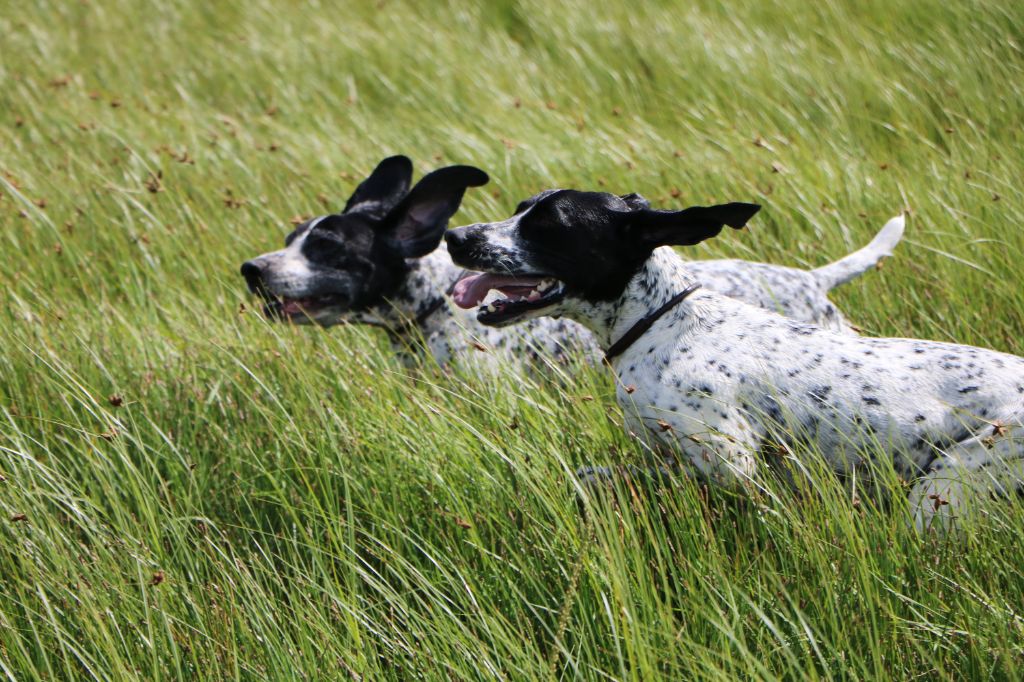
[645, 323]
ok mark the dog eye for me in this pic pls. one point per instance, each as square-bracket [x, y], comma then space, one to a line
[536, 228]
[320, 239]
[323, 247]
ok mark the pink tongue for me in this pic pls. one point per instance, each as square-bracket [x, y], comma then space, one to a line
[292, 306]
[470, 291]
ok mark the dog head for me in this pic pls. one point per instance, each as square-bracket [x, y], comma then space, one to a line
[336, 265]
[565, 245]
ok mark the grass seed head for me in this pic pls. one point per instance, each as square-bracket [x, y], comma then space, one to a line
[154, 183]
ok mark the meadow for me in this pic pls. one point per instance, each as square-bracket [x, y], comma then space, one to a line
[188, 491]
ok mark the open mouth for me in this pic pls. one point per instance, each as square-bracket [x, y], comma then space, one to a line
[518, 295]
[296, 308]
[278, 307]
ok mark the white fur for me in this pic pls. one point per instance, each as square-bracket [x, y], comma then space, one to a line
[714, 379]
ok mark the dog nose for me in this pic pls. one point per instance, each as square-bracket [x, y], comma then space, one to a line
[253, 274]
[250, 270]
[457, 238]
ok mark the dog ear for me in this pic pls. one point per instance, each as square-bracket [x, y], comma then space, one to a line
[635, 201]
[385, 187]
[415, 227]
[687, 227]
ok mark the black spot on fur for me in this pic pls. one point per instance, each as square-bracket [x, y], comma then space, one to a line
[820, 394]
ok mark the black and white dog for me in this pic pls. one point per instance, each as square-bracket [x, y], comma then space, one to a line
[378, 262]
[719, 383]
[381, 261]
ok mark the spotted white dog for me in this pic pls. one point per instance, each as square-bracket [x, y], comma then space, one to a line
[381, 262]
[720, 383]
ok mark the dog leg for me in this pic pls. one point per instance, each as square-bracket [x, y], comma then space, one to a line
[601, 477]
[967, 477]
[723, 452]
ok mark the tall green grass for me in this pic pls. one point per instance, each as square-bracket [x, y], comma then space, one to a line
[190, 492]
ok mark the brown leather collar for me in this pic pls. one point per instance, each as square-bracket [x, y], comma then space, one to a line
[638, 329]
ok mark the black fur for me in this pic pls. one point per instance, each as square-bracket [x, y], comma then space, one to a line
[358, 258]
[594, 242]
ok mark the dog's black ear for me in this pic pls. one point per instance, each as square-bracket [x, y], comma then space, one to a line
[385, 187]
[635, 201]
[415, 227]
[687, 227]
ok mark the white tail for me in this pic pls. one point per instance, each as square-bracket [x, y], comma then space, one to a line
[862, 260]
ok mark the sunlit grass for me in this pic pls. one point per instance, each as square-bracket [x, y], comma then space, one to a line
[187, 491]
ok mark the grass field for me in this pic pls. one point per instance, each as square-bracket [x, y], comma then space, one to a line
[189, 492]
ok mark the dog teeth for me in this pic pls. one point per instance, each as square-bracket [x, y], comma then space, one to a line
[534, 295]
[545, 285]
[491, 308]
